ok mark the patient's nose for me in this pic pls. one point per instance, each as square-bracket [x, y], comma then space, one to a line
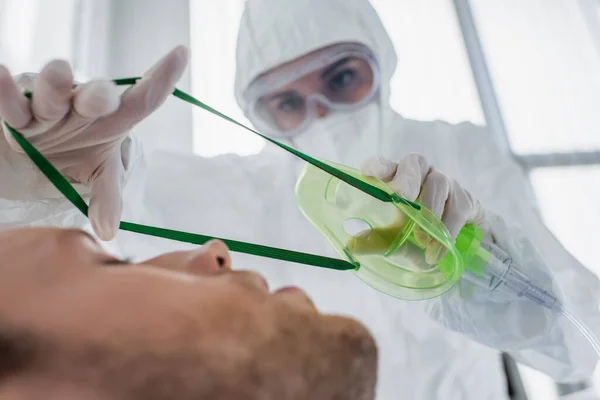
[212, 258]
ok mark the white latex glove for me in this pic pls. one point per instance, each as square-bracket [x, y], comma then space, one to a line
[414, 178]
[81, 130]
[494, 318]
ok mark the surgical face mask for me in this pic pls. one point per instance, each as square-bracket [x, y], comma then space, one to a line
[286, 101]
[343, 137]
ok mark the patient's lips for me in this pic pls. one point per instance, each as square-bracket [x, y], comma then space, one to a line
[289, 289]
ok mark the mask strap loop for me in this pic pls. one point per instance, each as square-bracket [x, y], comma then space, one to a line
[63, 186]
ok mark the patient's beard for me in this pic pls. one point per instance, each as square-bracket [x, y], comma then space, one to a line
[297, 360]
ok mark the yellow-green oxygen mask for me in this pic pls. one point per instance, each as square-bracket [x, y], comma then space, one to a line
[379, 237]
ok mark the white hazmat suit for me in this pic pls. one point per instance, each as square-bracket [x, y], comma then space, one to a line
[440, 348]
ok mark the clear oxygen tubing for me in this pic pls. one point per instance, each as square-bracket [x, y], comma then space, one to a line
[501, 273]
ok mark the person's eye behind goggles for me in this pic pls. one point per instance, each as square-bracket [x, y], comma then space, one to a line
[282, 103]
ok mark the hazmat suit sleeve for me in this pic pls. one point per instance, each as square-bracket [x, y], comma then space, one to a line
[532, 334]
[27, 198]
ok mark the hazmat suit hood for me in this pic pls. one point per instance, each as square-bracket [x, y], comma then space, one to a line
[274, 32]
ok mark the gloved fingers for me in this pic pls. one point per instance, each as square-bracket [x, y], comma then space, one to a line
[434, 192]
[462, 209]
[70, 134]
[14, 107]
[106, 203]
[384, 169]
[148, 93]
[410, 175]
[478, 217]
[435, 252]
[52, 94]
[422, 237]
[453, 212]
[379, 167]
[157, 83]
[455, 217]
[76, 143]
[404, 177]
[91, 100]
[96, 99]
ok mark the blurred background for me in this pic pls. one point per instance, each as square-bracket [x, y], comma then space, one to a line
[530, 69]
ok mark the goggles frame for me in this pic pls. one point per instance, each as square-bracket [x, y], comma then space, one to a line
[267, 83]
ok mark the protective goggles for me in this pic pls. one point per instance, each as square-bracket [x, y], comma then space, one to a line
[283, 103]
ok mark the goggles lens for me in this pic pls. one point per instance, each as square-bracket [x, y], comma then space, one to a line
[284, 107]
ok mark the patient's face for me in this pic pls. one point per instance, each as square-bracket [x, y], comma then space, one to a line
[76, 322]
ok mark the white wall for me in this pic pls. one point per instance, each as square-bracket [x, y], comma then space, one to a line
[141, 31]
[33, 32]
[544, 58]
[214, 35]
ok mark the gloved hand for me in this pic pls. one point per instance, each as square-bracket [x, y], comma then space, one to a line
[81, 130]
[414, 178]
[476, 312]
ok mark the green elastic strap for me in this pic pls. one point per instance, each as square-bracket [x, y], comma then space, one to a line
[357, 183]
[63, 185]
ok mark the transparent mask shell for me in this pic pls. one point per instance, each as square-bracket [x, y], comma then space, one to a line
[378, 237]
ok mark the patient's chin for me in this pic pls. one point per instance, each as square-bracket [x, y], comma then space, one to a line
[361, 368]
[326, 358]
[346, 360]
